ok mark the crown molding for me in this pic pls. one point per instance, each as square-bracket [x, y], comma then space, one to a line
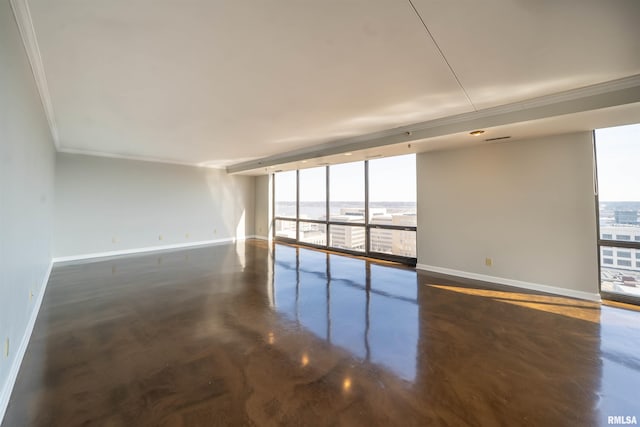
[23, 19]
[603, 95]
[93, 153]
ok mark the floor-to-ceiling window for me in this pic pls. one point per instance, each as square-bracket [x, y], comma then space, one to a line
[618, 170]
[313, 206]
[286, 205]
[392, 205]
[347, 206]
[364, 207]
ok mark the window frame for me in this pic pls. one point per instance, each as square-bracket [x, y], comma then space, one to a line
[411, 261]
[608, 243]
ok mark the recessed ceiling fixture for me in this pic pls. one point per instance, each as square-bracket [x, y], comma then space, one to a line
[476, 132]
[348, 154]
[304, 161]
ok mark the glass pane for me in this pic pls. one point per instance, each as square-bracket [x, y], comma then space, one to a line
[347, 237]
[618, 154]
[619, 273]
[313, 233]
[313, 193]
[346, 192]
[285, 228]
[392, 190]
[285, 194]
[395, 242]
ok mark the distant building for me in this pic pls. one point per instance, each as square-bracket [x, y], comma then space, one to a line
[397, 242]
[359, 212]
[353, 237]
[626, 217]
[404, 242]
[621, 258]
[314, 237]
[345, 236]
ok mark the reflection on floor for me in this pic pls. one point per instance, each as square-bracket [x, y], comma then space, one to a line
[352, 304]
[254, 334]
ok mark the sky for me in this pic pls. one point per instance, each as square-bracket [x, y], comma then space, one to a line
[618, 157]
[391, 179]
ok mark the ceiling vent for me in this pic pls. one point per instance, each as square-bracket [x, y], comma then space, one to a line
[497, 138]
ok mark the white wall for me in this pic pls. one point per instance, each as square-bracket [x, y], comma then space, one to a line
[263, 206]
[26, 199]
[106, 205]
[528, 205]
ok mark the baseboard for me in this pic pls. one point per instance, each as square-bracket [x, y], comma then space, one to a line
[255, 236]
[7, 388]
[511, 282]
[148, 249]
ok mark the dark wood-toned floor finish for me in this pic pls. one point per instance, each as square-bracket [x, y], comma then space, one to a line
[254, 334]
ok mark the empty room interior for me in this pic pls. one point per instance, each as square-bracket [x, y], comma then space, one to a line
[353, 213]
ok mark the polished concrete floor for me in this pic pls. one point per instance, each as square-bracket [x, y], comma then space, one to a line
[252, 334]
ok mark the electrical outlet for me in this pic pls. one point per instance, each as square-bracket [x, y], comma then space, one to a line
[215, 231]
[186, 236]
[114, 239]
[160, 237]
[6, 347]
[488, 262]
[30, 295]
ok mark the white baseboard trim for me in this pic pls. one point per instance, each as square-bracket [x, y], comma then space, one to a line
[148, 249]
[511, 282]
[7, 388]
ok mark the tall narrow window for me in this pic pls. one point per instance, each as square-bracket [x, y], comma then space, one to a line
[347, 192]
[346, 207]
[392, 205]
[313, 206]
[313, 193]
[285, 200]
[618, 157]
[285, 194]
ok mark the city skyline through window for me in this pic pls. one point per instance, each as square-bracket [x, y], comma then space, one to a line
[618, 156]
[401, 211]
[337, 218]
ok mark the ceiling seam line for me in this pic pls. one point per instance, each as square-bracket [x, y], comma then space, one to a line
[442, 54]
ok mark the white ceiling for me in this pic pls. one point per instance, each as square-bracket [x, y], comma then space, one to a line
[222, 82]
